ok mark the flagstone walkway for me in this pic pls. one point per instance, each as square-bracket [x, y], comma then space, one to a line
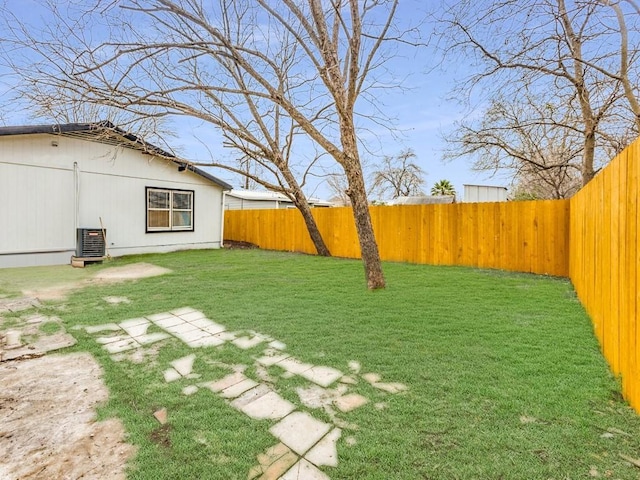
[305, 444]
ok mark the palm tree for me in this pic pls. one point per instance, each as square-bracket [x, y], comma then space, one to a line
[443, 187]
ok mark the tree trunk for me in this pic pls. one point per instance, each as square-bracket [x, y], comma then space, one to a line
[300, 201]
[366, 238]
[312, 228]
[587, 157]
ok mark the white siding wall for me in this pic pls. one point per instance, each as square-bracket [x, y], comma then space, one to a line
[37, 191]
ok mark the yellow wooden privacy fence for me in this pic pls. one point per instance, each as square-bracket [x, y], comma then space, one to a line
[592, 238]
[604, 263]
[520, 236]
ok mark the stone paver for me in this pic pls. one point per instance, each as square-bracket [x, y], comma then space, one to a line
[167, 322]
[349, 402]
[171, 375]
[191, 316]
[181, 328]
[250, 395]
[35, 318]
[19, 304]
[294, 366]
[182, 311]
[325, 453]
[299, 431]
[190, 390]
[101, 328]
[246, 343]
[161, 415]
[268, 360]
[121, 345]
[372, 377]
[155, 318]
[225, 382]
[112, 339]
[390, 387]
[210, 341]
[151, 338]
[214, 328]
[315, 396]
[225, 336]
[132, 322]
[323, 376]
[238, 389]
[304, 470]
[184, 365]
[192, 336]
[268, 458]
[202, 323]
[277, 345]
[136, 326]
[44, 344]
[269, 406]
[349, 380]
[271, 468]
[354, 366]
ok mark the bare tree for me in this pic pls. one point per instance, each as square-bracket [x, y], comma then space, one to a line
[339, 186]
[265, 73]
[534, 183]
[554, 49]
[398, 176]
[250, 169]
[628, 54]
[527, 137]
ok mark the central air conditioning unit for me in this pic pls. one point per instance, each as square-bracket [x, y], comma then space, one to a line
[90, 242]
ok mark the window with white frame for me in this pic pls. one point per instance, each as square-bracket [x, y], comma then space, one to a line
[169, 210]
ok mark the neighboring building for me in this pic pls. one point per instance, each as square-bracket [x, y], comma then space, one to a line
[55, 179]
[423, 200]
[484, 193]
[257, 200]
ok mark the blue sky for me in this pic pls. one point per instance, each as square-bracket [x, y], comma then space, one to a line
[421, 110]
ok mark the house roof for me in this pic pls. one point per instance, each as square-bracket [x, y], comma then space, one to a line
[423, 200]
[273, 196]
[258, 195]
[108, 133]
[484, 186]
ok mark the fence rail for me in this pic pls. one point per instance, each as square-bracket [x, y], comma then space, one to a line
[592, 238]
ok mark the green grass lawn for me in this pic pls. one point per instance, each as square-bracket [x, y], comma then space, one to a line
[505, 379]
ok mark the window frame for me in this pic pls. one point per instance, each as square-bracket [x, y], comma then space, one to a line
[171, 228]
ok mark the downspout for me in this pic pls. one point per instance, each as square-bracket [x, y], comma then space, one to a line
[76, 195]
[222, 219]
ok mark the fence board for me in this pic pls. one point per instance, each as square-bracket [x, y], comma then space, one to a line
[604, 258]
[516, 236]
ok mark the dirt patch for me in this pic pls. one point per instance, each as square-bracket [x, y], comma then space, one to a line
[108, 275]
[235, 244]
[162, 436]
[47, 421]
[129, 272]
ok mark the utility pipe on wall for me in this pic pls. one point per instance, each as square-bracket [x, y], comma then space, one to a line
[76, 195]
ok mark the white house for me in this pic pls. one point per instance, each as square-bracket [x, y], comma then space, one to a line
[56, 180]
[239, 199]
